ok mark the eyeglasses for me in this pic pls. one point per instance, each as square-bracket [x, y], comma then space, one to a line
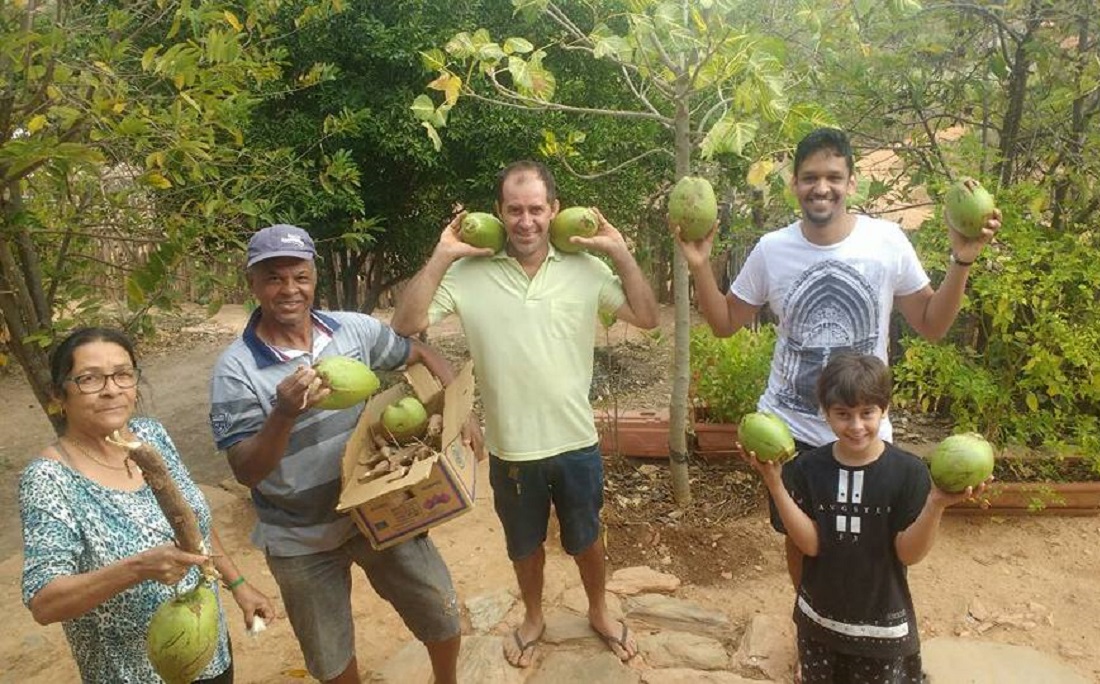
[90, 383]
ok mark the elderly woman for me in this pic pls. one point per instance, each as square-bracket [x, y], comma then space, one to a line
[98, 552]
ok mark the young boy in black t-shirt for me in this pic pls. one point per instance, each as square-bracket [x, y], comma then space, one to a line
[862, 511]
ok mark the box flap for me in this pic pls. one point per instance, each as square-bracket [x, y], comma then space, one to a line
[458, 402]
[425, 385]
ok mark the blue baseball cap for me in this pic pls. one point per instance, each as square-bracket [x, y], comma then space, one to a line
[280, 240]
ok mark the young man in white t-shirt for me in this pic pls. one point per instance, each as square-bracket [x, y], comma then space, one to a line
[832, 279]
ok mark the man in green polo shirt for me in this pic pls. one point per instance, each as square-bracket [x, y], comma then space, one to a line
[529, 314]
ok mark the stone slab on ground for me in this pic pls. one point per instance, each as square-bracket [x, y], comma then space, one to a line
[487, 610]
[564, 626]
[576, 600]
[681, 675]
[642, 580]
[558, 667]
[683, 650]
[950, 660]
[767, 648]
[673, 613]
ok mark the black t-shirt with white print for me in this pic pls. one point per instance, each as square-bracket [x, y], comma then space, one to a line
[854, 595]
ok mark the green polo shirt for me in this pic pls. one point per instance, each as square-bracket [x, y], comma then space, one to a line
[531, 340]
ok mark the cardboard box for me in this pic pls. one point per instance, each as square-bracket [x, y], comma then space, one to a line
[397, 506]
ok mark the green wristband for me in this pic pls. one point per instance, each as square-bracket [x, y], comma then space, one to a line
[235, 583]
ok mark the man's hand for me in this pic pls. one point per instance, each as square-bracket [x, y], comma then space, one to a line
[968, 249]
[299, 391]
[606, 240]
[473, 438]
[696, 252]
[451, 245]
[254, 604]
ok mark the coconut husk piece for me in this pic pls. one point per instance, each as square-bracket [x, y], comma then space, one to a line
[180, 515]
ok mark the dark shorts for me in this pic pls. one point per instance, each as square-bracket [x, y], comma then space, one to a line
[821, 664]
[316, 591]
[524, 490]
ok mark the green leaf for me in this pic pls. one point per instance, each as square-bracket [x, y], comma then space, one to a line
[433, 60]
[521, 76]
[612, 46]
[433, 135]
[517, 46]
[461, 46]
[728, 135]
[135, 296]
[423, 108]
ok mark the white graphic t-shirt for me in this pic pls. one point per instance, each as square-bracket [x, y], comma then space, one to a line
[828, 299]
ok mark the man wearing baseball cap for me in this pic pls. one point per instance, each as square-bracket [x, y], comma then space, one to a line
[289, 452]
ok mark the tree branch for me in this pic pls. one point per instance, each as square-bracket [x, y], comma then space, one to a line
[531, 104]
[616, 168]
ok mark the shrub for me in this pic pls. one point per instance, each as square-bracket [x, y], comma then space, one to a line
[1023, 363]
[728, 375]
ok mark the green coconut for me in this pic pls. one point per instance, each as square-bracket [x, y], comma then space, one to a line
[579, 221]
[968, 206]
[767, 436]
[961, 461]
[350, 380]
[693, 207]
[482, 230]
[405, 419]
[183, 635]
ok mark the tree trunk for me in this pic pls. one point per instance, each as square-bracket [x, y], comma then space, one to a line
[328, 282]
[681, 358]
[1017, 92]
[24, 308]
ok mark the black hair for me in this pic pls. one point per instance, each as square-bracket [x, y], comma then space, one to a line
[538, 168]
[851, 379]
[61, 361]
[831, 139]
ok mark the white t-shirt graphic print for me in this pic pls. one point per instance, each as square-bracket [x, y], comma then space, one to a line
[828, 299]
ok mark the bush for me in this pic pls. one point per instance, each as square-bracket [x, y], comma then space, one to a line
[1023, 364]
[728, 375]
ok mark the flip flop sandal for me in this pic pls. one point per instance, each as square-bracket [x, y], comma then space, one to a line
[524, 647]
[620, 641]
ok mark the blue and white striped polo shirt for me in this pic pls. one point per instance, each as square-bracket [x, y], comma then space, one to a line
[296, 502]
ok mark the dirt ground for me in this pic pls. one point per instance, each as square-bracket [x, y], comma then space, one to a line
[1020, 580]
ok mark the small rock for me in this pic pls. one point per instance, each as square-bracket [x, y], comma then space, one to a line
[977, 610]
[641, 579]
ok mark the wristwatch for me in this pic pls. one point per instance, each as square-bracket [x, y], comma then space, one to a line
[956, 260]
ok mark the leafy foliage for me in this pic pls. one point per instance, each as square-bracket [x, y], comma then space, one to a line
[728, 375]
[119, 135]
[1023, 366]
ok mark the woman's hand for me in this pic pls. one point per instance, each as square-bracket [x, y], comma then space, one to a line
[166, 564]
[253, 603]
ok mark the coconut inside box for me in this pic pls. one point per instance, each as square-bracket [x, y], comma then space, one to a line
[393, 507]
